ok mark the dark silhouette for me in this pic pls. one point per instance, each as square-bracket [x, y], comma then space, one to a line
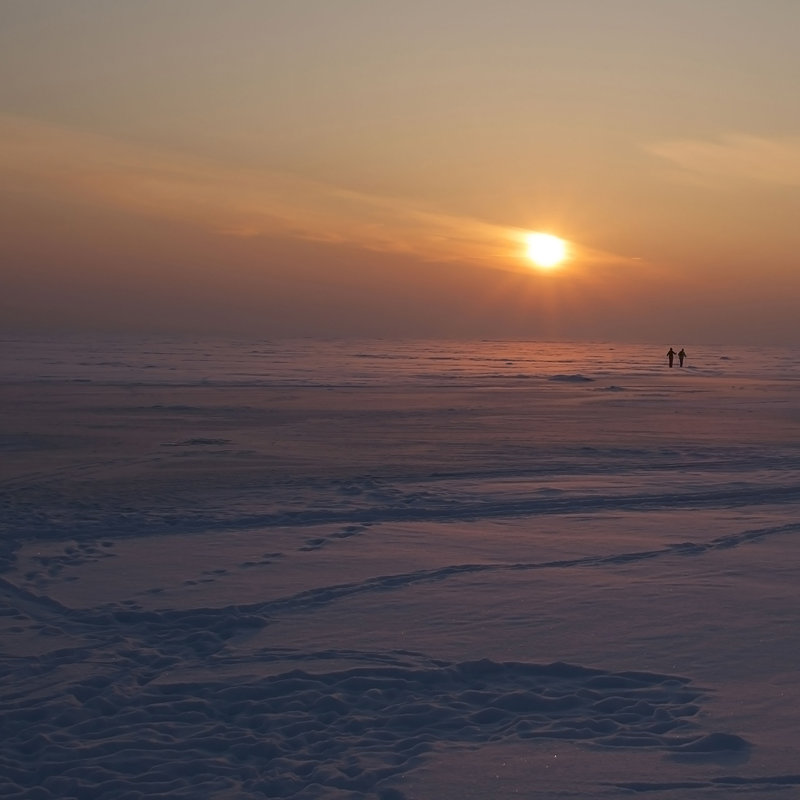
[670, 356]
[681, 356]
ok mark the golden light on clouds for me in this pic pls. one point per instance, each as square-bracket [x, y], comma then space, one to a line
[229, 201]
[735, 157]
[232, 201]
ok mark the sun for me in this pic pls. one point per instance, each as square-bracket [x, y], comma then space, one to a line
[545, 250]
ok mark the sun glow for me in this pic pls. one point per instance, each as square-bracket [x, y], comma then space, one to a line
[545, 250]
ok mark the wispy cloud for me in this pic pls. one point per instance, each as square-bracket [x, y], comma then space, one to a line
[736, 157]
[235, 201]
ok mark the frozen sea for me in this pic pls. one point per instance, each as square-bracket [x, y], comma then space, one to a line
[397, 570]
[348, 362]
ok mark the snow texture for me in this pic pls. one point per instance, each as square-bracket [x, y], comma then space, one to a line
[397, 570]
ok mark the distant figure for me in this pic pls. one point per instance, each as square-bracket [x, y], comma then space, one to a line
[681, 356]
[670, 356]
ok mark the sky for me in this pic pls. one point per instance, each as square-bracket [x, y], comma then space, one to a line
[372, 168]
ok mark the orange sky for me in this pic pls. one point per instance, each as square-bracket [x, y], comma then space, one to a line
[338, 167]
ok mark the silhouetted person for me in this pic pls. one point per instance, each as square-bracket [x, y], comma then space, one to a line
[681, 356]
[670, 356]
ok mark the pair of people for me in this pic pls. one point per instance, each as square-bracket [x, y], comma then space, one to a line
[671, 356]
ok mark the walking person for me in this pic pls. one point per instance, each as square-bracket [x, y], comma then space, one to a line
[681, 356]
[670, 356]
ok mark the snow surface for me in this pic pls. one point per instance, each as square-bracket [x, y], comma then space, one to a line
[397, 570]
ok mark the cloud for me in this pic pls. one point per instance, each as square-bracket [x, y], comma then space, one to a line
[736, 157]
[235, 201]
